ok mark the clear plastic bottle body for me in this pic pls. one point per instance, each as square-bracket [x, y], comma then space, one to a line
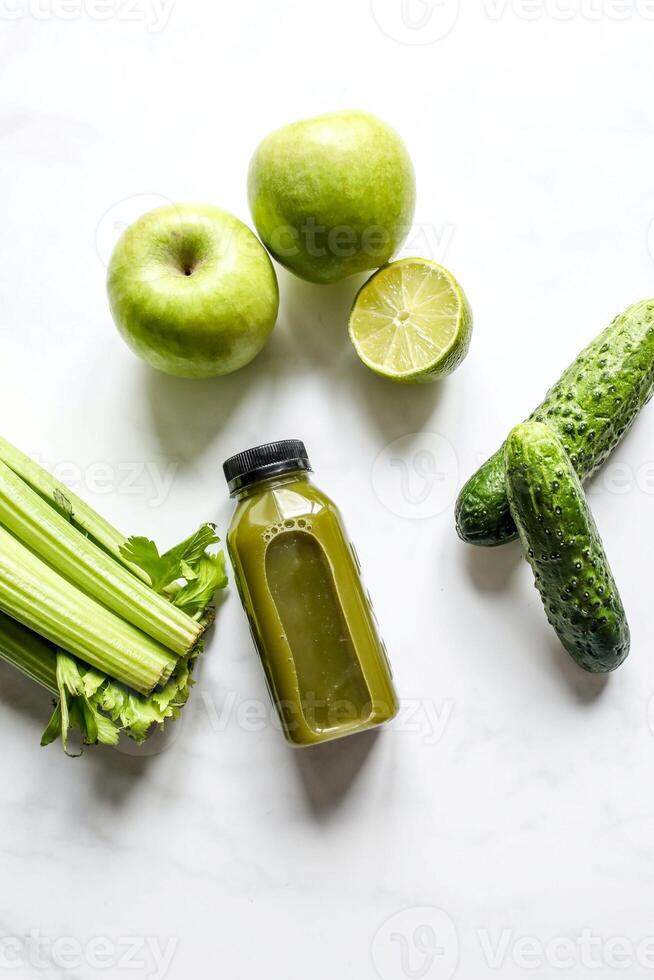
[311, 618]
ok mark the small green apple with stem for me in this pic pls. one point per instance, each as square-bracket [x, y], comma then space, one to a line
[333, 195]
[192, 290]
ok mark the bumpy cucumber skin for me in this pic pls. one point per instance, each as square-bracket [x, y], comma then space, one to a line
[590, 408]
[564, 549]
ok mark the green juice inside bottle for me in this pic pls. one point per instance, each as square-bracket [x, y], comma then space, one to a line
[299, 580]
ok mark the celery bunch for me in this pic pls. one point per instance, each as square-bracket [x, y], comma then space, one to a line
[108, 624]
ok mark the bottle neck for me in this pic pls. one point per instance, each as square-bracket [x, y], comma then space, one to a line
[271, 483]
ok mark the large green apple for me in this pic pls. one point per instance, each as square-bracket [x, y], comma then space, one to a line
[332, 196]
[192, 290]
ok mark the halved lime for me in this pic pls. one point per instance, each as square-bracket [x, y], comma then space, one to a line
[411, 321]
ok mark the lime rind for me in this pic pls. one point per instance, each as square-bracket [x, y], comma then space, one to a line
[411, 321]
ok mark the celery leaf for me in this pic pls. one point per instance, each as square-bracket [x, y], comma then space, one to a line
[144, 553]
[192, 549]
[188, 561]
[63, 504]
[75, 709]
[194, 597]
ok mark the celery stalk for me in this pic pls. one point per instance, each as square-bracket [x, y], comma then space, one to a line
[35, 595]
[33, 655]
[82, 516]
[54, 539]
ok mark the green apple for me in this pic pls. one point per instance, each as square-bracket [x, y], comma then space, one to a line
[192, 290]
[332, 196]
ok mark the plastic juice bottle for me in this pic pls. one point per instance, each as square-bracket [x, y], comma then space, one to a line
[310, 616]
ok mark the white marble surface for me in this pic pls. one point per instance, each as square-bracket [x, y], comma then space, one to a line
[509, 812]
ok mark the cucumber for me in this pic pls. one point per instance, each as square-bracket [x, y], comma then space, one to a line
[590, 408]
[564, 549]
